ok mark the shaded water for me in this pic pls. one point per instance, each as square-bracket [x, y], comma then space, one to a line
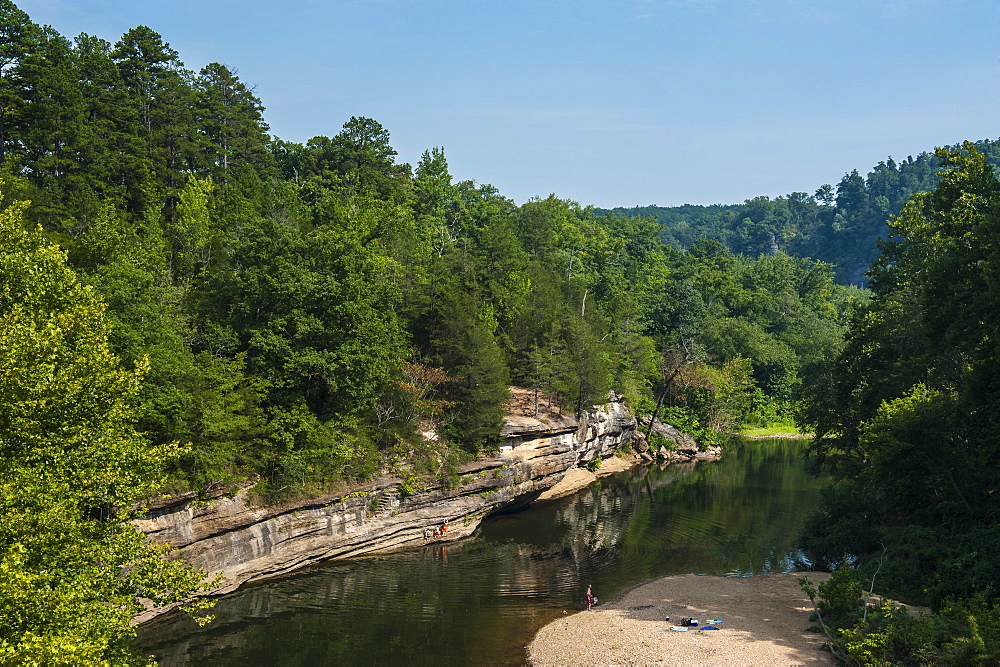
[480, 601]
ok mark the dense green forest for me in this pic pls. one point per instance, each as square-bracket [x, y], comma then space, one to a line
[72, 468]
[304, 310]
[838, 224]
[214, 306]
[908, 422]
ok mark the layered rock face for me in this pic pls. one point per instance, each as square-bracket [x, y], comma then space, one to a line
[229, 535]
[682, 446]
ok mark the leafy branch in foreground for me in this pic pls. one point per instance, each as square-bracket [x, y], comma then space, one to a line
[72, 565]
[862, 632]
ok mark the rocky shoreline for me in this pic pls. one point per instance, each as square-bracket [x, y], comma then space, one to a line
[542, 457]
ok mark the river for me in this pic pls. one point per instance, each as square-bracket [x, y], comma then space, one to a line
[479, 601]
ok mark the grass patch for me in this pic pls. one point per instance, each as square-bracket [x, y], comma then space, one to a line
[778, 430]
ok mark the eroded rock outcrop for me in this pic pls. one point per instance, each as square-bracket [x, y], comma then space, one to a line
[670, 444]
[244, 542]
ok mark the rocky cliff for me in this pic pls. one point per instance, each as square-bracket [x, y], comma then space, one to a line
[243, 542]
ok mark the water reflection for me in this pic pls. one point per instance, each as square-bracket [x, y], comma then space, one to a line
[481, 600]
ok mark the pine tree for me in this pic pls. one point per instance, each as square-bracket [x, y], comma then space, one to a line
[18, 38]
[231, 121]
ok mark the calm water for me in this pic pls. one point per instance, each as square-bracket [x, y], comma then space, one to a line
[480, 601]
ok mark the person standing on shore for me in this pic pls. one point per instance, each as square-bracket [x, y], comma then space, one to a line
[590, 598]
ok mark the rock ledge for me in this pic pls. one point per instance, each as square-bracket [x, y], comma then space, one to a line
[242, 542]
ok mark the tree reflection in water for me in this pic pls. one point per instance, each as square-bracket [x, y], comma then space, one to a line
[480, 600]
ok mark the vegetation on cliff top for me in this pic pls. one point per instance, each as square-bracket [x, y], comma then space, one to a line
[306, 309]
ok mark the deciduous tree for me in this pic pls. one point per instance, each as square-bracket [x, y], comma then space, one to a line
[72, 468]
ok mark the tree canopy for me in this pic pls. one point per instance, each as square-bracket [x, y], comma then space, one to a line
[836, 224]
[72, 566]
[906, 417]
[279, 295]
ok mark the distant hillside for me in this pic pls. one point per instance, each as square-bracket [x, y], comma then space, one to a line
[837, 224]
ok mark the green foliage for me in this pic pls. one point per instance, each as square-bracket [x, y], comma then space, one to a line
[468, 348]
[657, 441]
[302, 314]
[842, 604]
[906, 418]
[884, 633]
[411, 485]
[279, 290]
[845, 524]
[838, 224]
[72, 566]
[687, 421]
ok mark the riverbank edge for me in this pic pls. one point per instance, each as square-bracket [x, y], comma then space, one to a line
[776, 436]
[765, 621]
[243, 543]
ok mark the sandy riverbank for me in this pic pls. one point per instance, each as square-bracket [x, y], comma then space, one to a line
[764, 621]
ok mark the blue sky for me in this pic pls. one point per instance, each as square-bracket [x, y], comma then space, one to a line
[618, 103]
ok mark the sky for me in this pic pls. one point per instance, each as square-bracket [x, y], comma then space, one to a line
[614, 103]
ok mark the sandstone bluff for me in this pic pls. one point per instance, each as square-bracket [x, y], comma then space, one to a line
[242, 542]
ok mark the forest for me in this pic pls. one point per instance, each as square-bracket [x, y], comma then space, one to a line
[838, 224]
[302, 311]
[906, 421]
[189, 303]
